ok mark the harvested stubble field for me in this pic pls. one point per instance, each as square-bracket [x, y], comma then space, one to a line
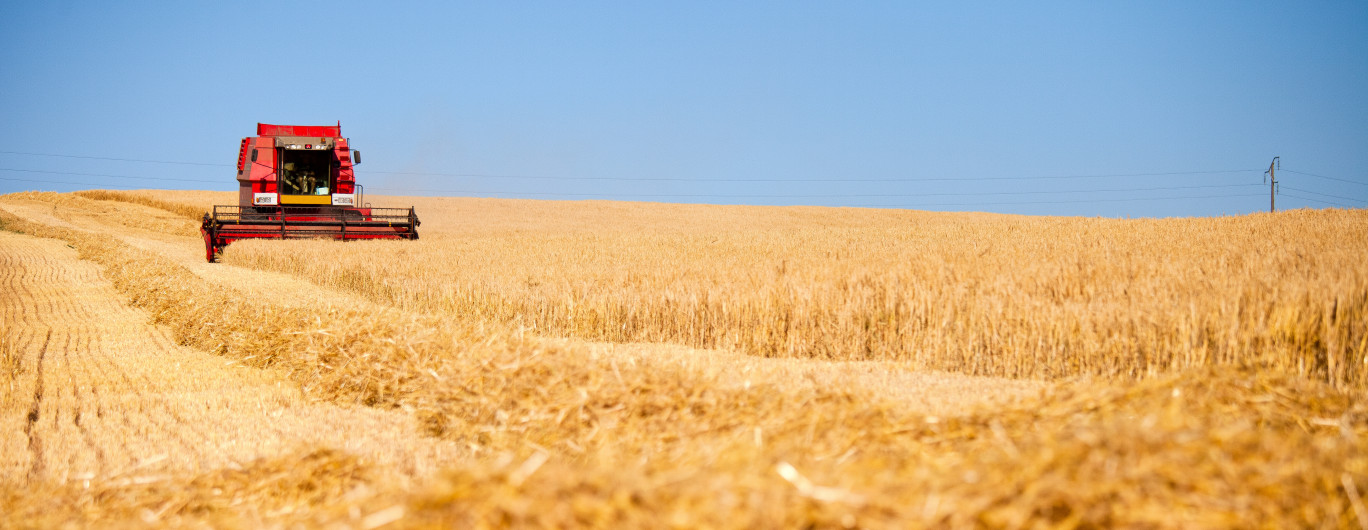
[604, 364]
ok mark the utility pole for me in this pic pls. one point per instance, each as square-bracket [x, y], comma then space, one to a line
[1272, 180]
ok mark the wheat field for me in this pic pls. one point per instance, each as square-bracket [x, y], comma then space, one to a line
[602, 364]
[992, 295]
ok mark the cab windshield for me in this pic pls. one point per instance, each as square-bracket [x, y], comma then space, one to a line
[304, 172]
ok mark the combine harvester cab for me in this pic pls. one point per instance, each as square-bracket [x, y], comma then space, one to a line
[297, 182]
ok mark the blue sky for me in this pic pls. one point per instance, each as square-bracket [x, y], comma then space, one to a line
[1087, 108]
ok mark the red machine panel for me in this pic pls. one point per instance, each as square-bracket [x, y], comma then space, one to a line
[321, 131]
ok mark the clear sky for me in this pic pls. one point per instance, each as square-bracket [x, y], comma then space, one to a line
[1081, 108]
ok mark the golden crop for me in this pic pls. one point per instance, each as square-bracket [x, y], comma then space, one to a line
[1210, 371]
[973, 293]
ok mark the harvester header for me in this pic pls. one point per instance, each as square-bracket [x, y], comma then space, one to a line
[297, 181]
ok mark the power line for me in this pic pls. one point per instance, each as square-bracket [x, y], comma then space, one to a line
[1332, 203]
[821, 180]
[1325, 177]
[729, 180]
[45, 181]
[619, 197]
[107, 175]
[1011, 203]
[690, 179]
[115, 159]
[687, 179]
[708, 196]
[725, 196]
[805, 196]
[1325, 194]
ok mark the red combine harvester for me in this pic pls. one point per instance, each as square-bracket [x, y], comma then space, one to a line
[296, 182]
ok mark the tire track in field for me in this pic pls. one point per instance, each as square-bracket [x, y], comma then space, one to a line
[35, 442]
[107, 395]
[153, 422]
[70, 444]
[17, 312]
[78, 376]
[154, 410]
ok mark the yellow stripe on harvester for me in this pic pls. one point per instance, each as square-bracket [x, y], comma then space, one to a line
[305, 199]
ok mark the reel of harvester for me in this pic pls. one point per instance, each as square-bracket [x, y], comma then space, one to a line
[227, 224]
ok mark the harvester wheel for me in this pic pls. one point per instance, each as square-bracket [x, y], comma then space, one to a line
[209, 254]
